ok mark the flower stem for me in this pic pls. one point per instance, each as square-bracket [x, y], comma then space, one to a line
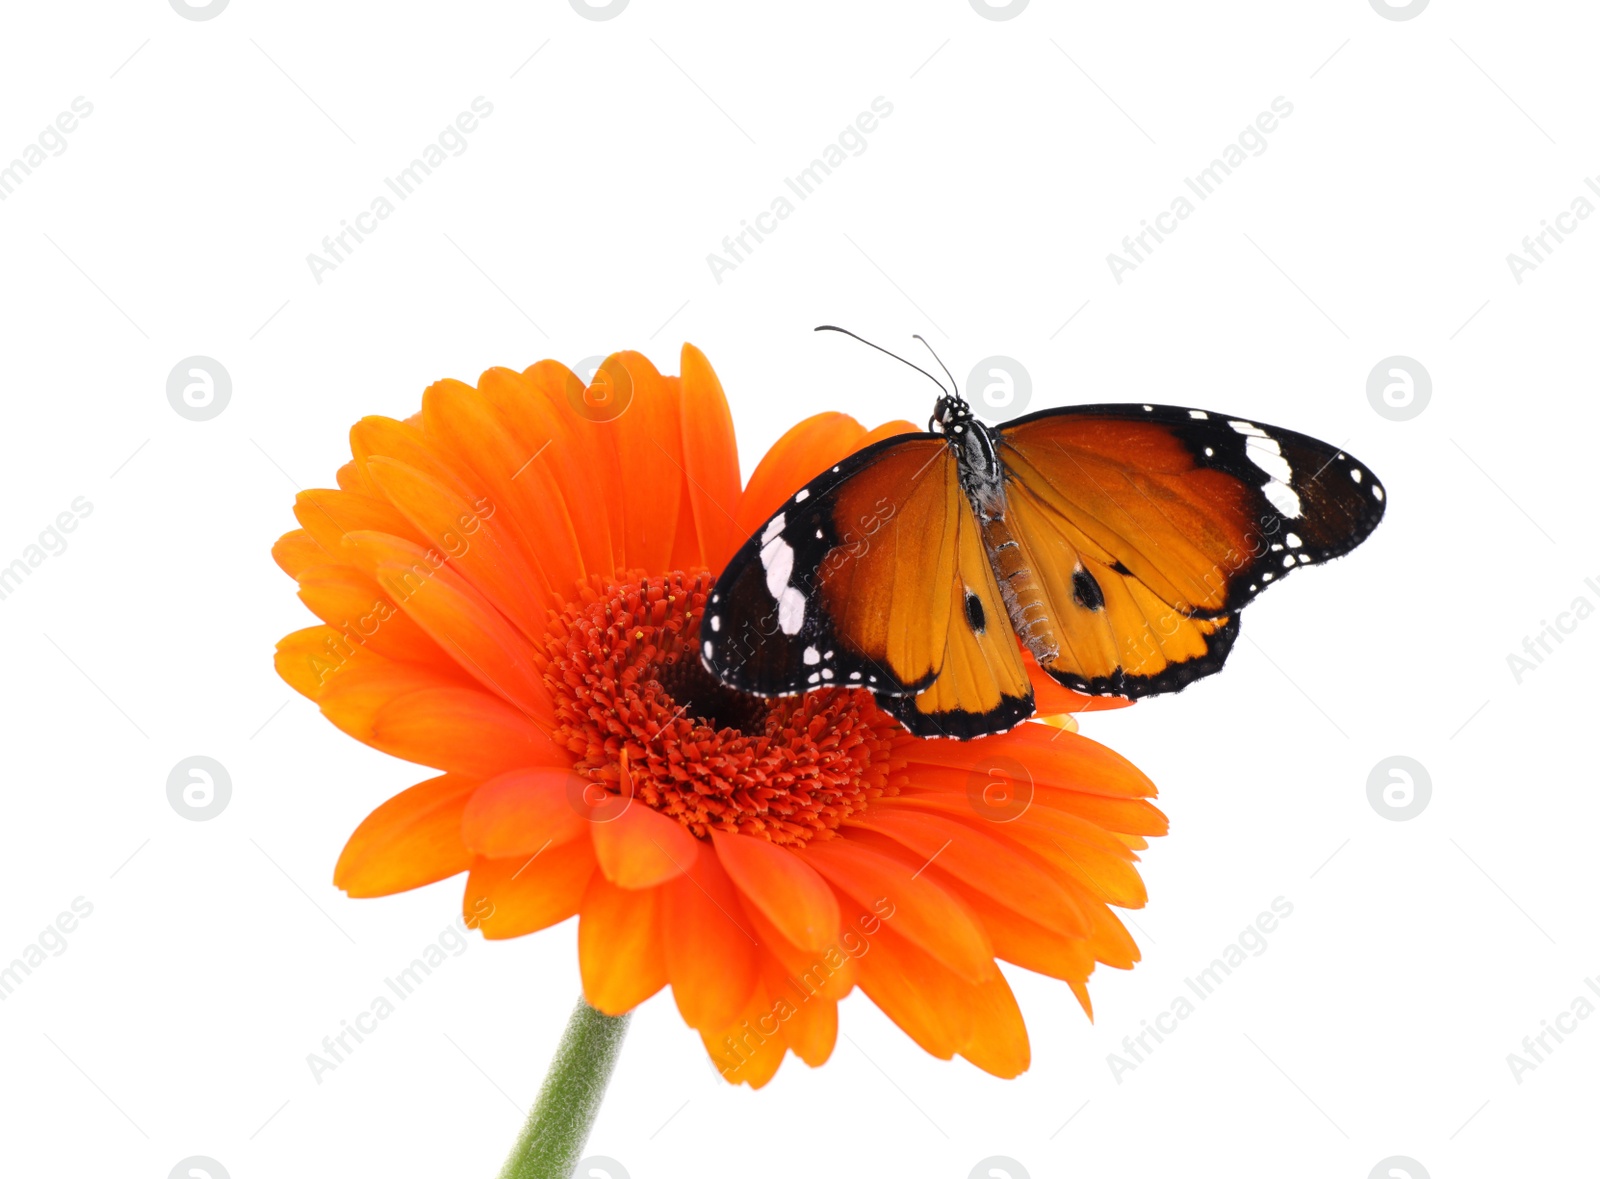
[552, 1140]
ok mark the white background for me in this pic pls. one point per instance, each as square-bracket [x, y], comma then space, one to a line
[1019, 153]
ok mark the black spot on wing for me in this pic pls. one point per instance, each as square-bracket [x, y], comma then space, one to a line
[1086, 590]
[975, 616]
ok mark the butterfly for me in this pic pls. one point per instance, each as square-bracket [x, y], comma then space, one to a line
[1114, 545]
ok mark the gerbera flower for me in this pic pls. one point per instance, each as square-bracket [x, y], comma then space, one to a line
[511, 584]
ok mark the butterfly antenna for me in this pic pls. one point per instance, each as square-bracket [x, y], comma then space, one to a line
[955, 389]
[828, 327]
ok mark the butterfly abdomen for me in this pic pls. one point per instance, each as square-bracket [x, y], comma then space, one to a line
[1021, 591]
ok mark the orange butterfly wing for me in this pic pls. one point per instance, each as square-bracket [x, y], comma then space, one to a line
[874, 576]
[1146, 528]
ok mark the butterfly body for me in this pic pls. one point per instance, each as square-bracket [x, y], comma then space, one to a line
[982, 477]
[1112, 544]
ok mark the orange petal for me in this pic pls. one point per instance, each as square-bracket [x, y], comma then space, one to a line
[642, 848]
[1053, 757]
[521, 812]
[547, 432]
[813, 1029]
[1030, 945]
[926, 1000]
[711, 954]
[986, 861]
[787, 890]
[923, 913]
[650, 450]
[807, 450]
[299, 550]
[710, 458]
[411, 840]
[686, 552]
[304, 659]
[461, 729]
[998, 1043]
[511, 897]
[829, 973]
[591, 435]
[750, 1048]
[356, 690]
[887, 430]
[1080, 991]
[329, 515]
[466, 627]
[620, 951]
[463, 422]
[473, 536]
[375, 436]
[1111, 941]
[1122, 816]
[350, 601]
[1081, 851]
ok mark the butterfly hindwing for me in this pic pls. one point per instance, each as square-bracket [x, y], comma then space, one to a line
[982, 686]
[1113, 635]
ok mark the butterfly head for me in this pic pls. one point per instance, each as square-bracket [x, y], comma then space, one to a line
[951, 415]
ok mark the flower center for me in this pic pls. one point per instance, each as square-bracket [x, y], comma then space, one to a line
[625, 673]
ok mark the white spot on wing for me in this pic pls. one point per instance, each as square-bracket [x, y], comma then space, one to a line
[774, 529]
[777, 558]
[1199, 414]
[1268, 455]
[1282, 497]
[706, 649]
[791, 611]
[716, 623]
[802, 495]
[810, 656]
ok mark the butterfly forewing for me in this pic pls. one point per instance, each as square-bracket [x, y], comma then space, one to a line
[1206, 510]
[848, 584]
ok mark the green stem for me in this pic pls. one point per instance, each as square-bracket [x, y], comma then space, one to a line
[552, 1140]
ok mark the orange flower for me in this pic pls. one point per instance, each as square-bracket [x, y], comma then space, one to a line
[511, 585]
